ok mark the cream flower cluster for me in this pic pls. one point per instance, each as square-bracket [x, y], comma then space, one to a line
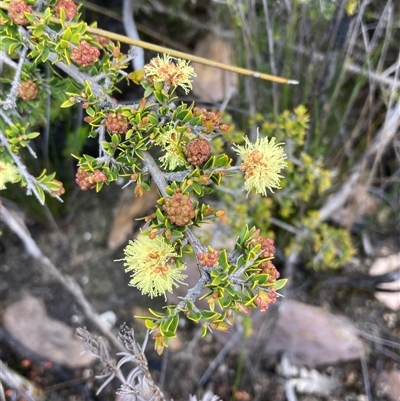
[153, 267]
[170, 71]
[262, 162]
[8, 173]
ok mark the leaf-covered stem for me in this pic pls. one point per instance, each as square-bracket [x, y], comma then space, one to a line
[30, 180]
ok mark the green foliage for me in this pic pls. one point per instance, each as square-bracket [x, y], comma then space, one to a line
[328, 246]
[86, 71]
[306, 182]
[232, 281]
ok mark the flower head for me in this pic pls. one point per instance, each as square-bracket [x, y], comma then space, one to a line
[28, 90]
[170, 71]
[116, 123]
[17, 10]
[170, 139]
[172, 158]
[179, 209]
[8, 173]
[69, 7]
[262, 163]
[197, 151]
[265, 298]
[85, 54]
[152, 262]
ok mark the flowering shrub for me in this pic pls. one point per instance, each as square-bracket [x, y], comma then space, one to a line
[232, 280]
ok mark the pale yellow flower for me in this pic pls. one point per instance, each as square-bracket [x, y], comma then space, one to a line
[172, 158]
[154, 267]
[262, 162]
[169, 138]
[170, 71]
[8, 173]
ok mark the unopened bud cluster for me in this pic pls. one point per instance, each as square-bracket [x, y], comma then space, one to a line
[264, 299]
[210, 120]
[179, 209]
[60, 190]
[17, 10]
[28, 90]
[101, 40]
[116, 123]
[208, 259]
[84, 55]
[269, 268]
[89, 180]
[197, 151]
[69, 7]
[267, 244]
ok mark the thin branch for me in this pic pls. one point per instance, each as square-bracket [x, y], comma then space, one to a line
[382, 78]
[30, 180]
[24, 387]
[131, 31]
[233, 342]
[271, 53]
[383, 138]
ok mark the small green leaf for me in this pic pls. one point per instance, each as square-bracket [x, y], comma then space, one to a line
[90, 111]
[63, 44]
[30, 17]
[33, 135]
[165, 325]
[157, 314]
[280, 283]
[241, 261]
[148, 91]
[177, 234]
[153, 119]
[223, 259]
[168, 224]
[150, 324]
[197, 188]
[40, 193]
[170, 191]
[225, 302]
[76, 38]
[210, 163]
[67, 34]
[208, 315]
[169, 334]
[67, 104]
[160, 216]
[45, 55]
[216, 178]
[195, 317]
[222, 161]
[174, 324]
[244, 234]
[259, 279]
[99, 185]
[158, 95]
